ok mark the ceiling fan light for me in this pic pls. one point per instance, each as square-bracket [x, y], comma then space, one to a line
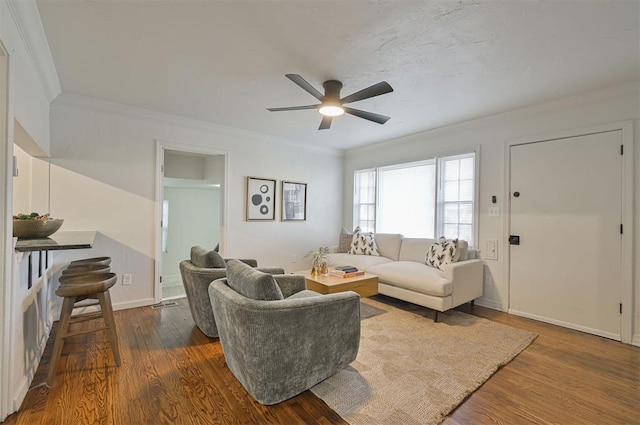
[331, 110]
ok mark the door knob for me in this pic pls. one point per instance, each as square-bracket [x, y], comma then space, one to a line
[516, 194]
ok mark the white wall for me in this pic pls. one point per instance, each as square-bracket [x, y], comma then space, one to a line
[183, 166]
[22, 183]
[25, 323]
[194, 219]
[492, 134]
[31, 186]
[103, 178]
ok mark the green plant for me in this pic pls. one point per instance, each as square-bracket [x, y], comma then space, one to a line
[318, 256]
[32, 216]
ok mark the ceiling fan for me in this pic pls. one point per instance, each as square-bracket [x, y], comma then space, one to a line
[331, 105]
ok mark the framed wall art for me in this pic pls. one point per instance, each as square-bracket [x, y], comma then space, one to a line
[261, 199]
[294, 201]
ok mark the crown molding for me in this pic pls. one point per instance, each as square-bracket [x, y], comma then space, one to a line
[26, 18]
[85, 102]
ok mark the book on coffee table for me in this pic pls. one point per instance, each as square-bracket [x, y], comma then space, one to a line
[347, 269]
[343, 274]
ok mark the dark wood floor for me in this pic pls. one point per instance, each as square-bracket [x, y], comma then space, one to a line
[173, 374]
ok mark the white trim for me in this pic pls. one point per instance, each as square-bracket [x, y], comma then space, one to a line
[84, 102]
[626, 298]
[626, 127]
[6, 241]
[161, 145]
[157, 268]
[636, 340]
[27, 20]
[492, 304]
[143, 302]
[565, 324]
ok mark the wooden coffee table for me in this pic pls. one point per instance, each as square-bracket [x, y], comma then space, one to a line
[365, 285]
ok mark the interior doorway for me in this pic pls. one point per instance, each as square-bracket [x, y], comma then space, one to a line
[192, 211]
[566, 251]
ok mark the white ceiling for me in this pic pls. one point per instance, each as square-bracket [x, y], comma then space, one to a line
[224, 61]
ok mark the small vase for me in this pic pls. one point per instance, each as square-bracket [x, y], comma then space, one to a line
[314, 270]
[323, 268]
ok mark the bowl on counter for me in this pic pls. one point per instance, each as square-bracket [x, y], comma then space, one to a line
[35, 229]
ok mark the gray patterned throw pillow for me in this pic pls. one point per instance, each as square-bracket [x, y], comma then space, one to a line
[442, 252]
[344, 240]
[363, 243]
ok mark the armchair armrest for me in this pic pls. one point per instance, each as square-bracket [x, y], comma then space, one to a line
[196, 282]
[290, 284]
[271, 270]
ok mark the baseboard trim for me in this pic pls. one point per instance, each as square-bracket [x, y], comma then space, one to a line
[494, 305]
[636, 340]
[568, 325]
[133, 304]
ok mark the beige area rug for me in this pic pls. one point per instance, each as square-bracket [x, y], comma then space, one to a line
[410, 370]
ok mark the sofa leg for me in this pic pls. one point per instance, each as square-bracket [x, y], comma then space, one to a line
[435, 319]
[473, 302]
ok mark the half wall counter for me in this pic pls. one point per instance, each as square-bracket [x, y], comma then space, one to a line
[58, 241]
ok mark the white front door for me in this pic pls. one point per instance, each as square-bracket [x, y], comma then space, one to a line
[566, 208]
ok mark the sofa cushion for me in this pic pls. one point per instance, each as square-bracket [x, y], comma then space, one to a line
[201, 257]
[414, 249]
[441, 253]
[252, 283]
[344, 240]
[363, 244]
[362, 262]
[389, 244]
[413, 276]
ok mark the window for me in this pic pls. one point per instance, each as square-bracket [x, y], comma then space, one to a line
[407, 199]
[364, 199]
[425, 199]
[457, 189]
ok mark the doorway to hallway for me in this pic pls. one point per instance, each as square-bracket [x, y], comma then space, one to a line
[192, 211]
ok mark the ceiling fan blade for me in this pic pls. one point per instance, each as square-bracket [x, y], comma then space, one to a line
[305, 86]
[325, 123]
[293, 108]
[380, 119]
[372, 91]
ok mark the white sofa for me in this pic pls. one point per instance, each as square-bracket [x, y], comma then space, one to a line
[403, 274]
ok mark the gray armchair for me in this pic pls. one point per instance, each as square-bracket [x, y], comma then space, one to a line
[197, 273]
[280, 339]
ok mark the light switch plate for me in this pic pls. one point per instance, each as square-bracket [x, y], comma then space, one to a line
[494, 211]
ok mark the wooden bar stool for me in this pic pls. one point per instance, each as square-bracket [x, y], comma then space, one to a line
[96, 260]
[76, 288]
[87, 268]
